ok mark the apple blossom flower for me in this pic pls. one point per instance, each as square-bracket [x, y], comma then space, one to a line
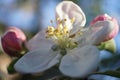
[106, 17]
[69, 45]
[12, 41]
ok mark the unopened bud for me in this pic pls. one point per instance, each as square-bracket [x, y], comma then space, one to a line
[12, 41]
[104, 18]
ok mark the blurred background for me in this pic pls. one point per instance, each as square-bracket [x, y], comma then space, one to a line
[33, 15]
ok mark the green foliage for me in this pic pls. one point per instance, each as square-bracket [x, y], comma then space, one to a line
[51, 74]
[10, 68]
[108, 45]
[112, 73]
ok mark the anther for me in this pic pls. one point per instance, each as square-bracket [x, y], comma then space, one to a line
[65, 19]
[73, 20]
[71, 36]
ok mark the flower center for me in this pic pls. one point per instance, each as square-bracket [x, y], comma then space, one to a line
[61, 35]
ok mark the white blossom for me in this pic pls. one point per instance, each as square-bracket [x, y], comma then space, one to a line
[70, 44]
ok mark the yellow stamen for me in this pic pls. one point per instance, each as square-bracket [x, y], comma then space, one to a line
[50, 31]
[73, 20]
[61, 34]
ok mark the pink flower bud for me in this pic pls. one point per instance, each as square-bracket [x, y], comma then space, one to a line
[12, 41]
[104, 18]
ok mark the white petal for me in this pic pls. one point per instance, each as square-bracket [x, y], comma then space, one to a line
[80, 62]
[103, 29]
[83, 39]
[68, 10]
[38, 41]
[96, 33]
[102, 77]
[37, 61]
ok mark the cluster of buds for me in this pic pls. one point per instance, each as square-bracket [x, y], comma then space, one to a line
[12, 41]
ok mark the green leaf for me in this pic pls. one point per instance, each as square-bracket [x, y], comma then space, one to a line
[10, 68]
[108, 45]
[118, 69]
[101, 46]
[110, 63]
[110, 73]
[51, 74]
[47, 75]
